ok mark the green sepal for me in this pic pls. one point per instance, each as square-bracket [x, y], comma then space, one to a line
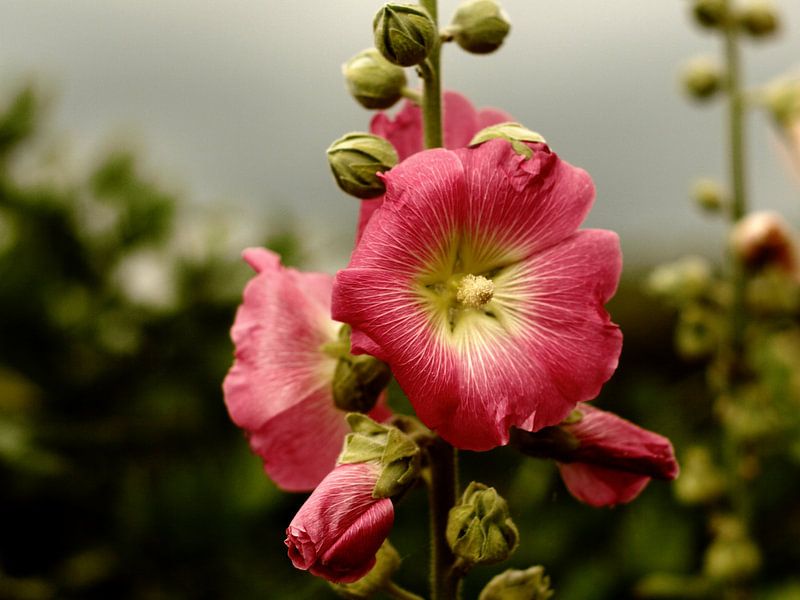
[387, 562]
[356, 159]
[513, 132]
[395, 452]
[480, 26]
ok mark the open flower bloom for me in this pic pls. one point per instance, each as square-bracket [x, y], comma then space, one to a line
[764, 239]
[614, 460]
[473, 283]
[461, 122]
[340, 528]
[279, 389]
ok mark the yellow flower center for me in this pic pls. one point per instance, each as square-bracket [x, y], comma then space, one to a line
[474, 291]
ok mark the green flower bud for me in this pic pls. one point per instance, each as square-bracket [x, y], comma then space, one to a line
[732, 556]
[700, 481]
[396, 453]
[759, 18]
[357, 380]
[373, 81]
[698, 331]
[709, 13]
[404, 33]
[513, 584]
[708, 194]
[356, 159]
[702, 78]
[479, 26]
[782, 100]
[479, 528]
[681, 281]
[387, 562]
[513, 132]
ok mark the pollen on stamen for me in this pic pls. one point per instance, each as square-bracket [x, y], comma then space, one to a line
[474, 291]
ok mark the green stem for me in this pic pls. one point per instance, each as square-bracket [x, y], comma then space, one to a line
[395, 591]
[738, 206]
[430, 71]
[443, 490]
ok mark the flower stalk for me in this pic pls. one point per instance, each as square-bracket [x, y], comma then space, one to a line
[432, 87]
[443, 491]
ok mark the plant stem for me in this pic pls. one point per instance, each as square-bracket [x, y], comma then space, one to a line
[395, 591]
[443, 489]
[430, 71]
[738, 206]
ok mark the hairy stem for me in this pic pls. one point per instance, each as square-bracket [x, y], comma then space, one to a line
[443, 489]
[432, 90]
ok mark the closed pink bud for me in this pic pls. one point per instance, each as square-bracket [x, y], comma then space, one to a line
[615, 459]
[339, 529]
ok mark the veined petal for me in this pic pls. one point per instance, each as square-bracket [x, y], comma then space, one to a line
[524, 203]
[598, 486]
[278, 332]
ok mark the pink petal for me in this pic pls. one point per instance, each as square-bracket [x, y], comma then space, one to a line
[598, 486]
[339, 529]
[279, 389]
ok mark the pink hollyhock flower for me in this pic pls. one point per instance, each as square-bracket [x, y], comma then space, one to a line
[338, 530]
[472, 282]
[615, 459]
[279, 389]
[461, 122]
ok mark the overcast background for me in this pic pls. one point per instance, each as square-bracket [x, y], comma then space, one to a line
[236, 102]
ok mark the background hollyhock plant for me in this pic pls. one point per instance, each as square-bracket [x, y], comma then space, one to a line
[280, 387]
[341, 526]
[614, 460]
[472, 282]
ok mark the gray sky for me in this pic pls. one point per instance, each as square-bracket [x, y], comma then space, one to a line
[238, 100]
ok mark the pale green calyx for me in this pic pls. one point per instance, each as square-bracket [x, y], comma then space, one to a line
[514, 584]
[387, 562]
[373, 81]
[732, 556]
[356, 159]
[479, 529]
[395, 452]
[405, 34]
[515, 133]
[782, 100]
[702, 78]
[479, 26]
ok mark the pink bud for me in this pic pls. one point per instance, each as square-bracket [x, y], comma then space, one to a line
[338, 530]
[615, 460]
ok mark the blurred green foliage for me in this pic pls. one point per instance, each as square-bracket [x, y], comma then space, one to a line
[121, 475]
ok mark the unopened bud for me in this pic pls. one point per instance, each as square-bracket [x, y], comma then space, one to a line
[709, 13]
[356, 159]
[698, 331]
[515, 133]
[387, 561]
[514, 584]
[373, 81]
[479, 26]
[701, 482]
[479, 528]
[782, 100]
[708, 194]
[732, 556]
[394, 451]
[358, 379]
[404, 33]
[702, 78]
[765, 239]
[686, 279]
[759, 18]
